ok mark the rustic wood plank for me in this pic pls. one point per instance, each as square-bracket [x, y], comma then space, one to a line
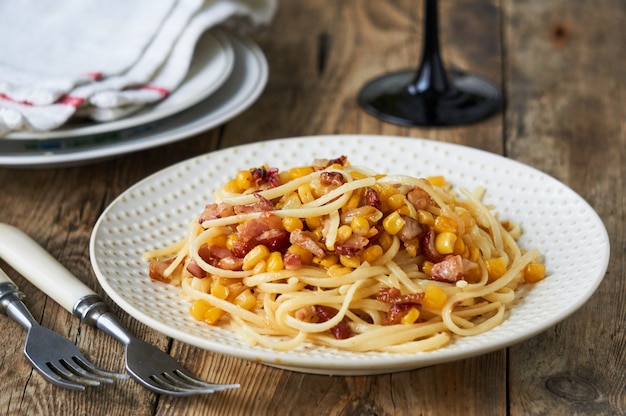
[565, 72]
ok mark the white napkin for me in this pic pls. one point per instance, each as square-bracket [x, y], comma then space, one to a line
[104, 59]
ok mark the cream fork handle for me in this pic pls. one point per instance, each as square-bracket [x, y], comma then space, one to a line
[37, 265]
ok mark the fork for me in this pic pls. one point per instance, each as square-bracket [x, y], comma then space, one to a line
[56, 358]
[148, 365]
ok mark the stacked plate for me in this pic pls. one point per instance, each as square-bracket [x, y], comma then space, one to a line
[227, 75]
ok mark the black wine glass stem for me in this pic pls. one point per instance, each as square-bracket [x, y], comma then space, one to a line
[431, 74]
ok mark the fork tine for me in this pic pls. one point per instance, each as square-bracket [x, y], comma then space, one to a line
[172, 383]
[63, 370]
[192, 381]
[80, 365]
[48, 373]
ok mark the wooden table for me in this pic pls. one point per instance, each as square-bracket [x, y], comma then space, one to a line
[562, 67]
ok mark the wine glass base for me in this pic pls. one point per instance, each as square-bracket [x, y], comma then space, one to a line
[469, 99]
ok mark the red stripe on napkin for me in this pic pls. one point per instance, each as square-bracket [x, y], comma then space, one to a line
[7, 98]
[163, 91]
[95, 75]
[71, 101]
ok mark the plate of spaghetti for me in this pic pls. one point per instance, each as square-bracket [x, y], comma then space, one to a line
[350, 254]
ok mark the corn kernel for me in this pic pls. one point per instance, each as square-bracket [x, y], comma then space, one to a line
[393, 223]
[326, 261]
[353, 202]
[425, 217]
[298, 172]
[306, 257]
[275, 262]
[495, 268]
[198, 309]
[411, 247]
[474, 253]
[245, 300]
[213, 315]
[289, 201]
[305, 193]
[260, 267]
[218, 240]
[338, 270]
[385, 240]
[219, 291]
[313, 222]
[291, 223]
[534, 272]
[232, 187]
[412, 315]
[284, 176]
[357, 175]
[459, 248]
[350, 261]
[443, 223]
[437, 180]
[344, 232]
[360, 225]
[444, 242]
[472, 275]
[467, 218]
[427, 266]
[231, 240]
[253, 257]
[244, 179]
[396, 201]
[405, 210]
[372, 253]
[434, 297]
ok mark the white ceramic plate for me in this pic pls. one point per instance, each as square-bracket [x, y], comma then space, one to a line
[211, 66]
[155, 212]
[243, 87]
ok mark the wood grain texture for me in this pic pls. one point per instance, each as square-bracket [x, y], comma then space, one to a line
[561, 65]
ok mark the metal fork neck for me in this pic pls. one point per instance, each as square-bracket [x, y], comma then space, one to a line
[92, 310]
[11, 301]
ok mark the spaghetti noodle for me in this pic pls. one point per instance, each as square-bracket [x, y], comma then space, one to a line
[340, 256]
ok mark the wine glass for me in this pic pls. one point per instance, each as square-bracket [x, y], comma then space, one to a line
[430, 95]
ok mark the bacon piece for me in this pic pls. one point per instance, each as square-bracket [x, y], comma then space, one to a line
[396, 312]
[367, 211]
[351, 246]
[275, 240]
[263, 204]
[265, 175]
[372, 199]
[251, 229]
[230, 263]
[400, 304]
[157, 269]
[339, 331]
[393, 296]
[221, 257]
[427, 245]
[304, 240]
[448, 270]
[411, 229]
[195, 269]
[213, 211]
[331, 178]
[292, 261]
[419, 198]
[341, 160]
